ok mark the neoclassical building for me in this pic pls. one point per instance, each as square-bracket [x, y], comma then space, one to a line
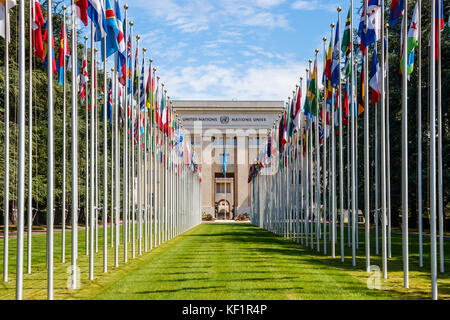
[237, 128]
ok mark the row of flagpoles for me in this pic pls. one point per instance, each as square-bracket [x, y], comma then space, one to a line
[153, 170]
[301, 165]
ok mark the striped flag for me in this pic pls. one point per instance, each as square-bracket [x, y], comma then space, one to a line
[122, 55]
[38, 22]
[96, 12]
[81, 8]
[112, 46]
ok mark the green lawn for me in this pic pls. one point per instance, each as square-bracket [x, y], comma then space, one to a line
[234, 261]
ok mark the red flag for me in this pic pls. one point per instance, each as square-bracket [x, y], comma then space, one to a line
[38, 22]
[82, 6]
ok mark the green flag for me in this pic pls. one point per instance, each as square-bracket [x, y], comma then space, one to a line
[346, 39]
[313, 90]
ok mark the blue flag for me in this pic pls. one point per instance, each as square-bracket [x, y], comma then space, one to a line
[336, 59]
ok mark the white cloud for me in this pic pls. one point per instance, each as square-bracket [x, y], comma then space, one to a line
[258, 82]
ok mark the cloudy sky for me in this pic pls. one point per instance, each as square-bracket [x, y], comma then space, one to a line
[233, 49]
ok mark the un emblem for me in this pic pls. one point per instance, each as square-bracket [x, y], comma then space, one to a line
[224, 119]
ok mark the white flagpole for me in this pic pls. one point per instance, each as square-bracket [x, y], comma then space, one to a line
[21, 158]
[318, 186]
[341, 151]
[152, 162]
[367, 155]
[439, 115]
[387, 174]
[144, 182]
[50, 168]
[105, 159]
[74, 58]
[353, 113]
[333, 167]
[116, 108]
[324, 128]
[383, 155]
[433, 154]
[97, 189]
[125, 146]
[91, 176]
[6, 193]
[405, 149]
[63, 215]
[87, 201]
[419, 133]
[139, 147]
[30, 143]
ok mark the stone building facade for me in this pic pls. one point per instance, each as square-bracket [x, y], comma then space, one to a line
[237, 128]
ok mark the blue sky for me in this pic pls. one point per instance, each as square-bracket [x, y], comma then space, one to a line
[231, 49]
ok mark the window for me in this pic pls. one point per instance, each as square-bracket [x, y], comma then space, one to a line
[219, 188]
[250, 141]
[235, 141]
[257, 141]
[228, 141]
[214, 140]
[228, 187]
[221, 141]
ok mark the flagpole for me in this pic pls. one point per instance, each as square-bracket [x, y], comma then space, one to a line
[439, 114]
[151, 150]
[324, 128]
[133, 169]
[105, 161]
[87, 201]
[386, 158]
[117, 167]
[341, 152]
[50, 165]
[6, 194]
[21, 147]
[318, 186]
[125, 147]
[139, 147]
[30, 142]
[367, 153]
[383, 154]
[419, 133]
[97, 189]
[63, 219]
[333, 166]
[74, 58]
[433, 153]
[144, 139]
[91, 177]
[405, 149]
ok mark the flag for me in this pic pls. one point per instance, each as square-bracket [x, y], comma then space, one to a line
[63, 53]
[439, 25]
[46, 49]
[296, 118]
[224, 164]
[313, 90]
[141, 88]
[336, 59]
[136, 71]
[375, 79]
[38, 22]
[396, 11]
[112, 46]
[345, 105]
[307, 107]
[346, 38]
[96, 12]
[5, 29]
[327, 71]
[129, 68]
[84, 77]
[370, 36]
[361, 102]
[412, 41]
[149, 90]
[109, 103]
[162, 112]
[82, 6]
[122, 54]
